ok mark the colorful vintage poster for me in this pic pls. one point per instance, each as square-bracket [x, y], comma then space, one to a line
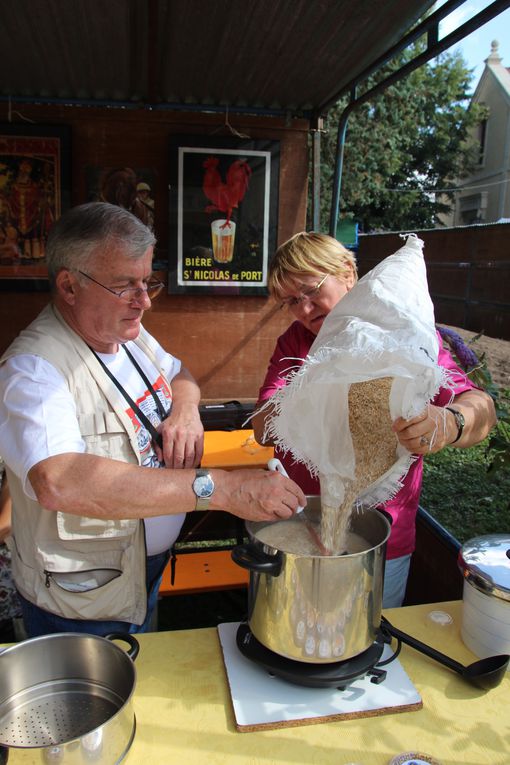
[128, 187]
[224, 216]
[31, 197]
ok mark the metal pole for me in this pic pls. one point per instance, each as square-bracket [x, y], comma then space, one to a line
[316, 172]
[339, 163]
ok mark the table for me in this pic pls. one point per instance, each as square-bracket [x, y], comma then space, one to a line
[234, 449]
[184, 712]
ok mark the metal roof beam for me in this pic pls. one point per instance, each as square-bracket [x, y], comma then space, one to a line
[415, 34]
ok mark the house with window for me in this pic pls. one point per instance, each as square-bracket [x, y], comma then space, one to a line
[484, 196]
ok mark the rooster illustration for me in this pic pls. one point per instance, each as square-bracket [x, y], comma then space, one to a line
[225, 197]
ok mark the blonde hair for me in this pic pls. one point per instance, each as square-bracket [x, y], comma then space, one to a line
[309, 253]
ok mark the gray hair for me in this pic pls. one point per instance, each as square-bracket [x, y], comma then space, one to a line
[76, 237]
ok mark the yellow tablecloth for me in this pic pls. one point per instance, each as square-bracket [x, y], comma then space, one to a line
[184, 712]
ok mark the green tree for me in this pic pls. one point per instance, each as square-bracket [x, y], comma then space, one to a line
[408, 143]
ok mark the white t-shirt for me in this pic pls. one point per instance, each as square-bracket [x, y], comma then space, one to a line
[38, 419]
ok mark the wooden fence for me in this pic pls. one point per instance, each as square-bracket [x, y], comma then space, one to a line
[468, 273]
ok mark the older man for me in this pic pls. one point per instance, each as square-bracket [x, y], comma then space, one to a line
[88, 401]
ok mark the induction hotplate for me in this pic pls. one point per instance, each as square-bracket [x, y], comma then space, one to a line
[330, 675]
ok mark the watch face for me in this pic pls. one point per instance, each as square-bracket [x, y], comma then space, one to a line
[203, 486]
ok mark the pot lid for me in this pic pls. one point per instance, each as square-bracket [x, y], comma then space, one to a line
[485, 563]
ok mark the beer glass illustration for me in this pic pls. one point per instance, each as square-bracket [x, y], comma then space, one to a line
[223, 239]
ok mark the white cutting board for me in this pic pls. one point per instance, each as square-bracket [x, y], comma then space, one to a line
[261, 701]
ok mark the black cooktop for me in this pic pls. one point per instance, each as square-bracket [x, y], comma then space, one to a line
[331, 675]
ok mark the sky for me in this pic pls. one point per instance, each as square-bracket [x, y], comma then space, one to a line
[477, 46]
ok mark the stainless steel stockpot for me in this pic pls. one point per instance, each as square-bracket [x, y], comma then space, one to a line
[69, 695]
[485, 566]
[317, 609]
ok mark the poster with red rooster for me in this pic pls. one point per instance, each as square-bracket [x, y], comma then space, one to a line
[224, 203]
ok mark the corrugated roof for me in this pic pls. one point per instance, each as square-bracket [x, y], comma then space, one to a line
[270, 55]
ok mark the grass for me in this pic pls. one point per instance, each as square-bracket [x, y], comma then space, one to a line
[462, 496]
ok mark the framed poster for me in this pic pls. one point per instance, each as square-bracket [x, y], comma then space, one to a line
[223, 214]
[34, 190]
[128, 187]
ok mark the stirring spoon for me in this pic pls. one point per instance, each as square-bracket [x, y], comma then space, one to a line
[276, 466]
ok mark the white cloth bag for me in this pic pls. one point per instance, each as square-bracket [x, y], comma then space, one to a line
[384, 327]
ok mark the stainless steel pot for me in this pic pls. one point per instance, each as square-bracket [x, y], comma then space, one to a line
[485, 565]
[69, 695]
[317, 609]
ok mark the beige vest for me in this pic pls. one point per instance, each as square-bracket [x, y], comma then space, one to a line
[48, 545]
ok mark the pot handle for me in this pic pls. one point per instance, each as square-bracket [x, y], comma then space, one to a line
[134, 649]
[248, 556]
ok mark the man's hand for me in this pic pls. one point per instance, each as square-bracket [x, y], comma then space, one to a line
[256, 495]
[183, 437]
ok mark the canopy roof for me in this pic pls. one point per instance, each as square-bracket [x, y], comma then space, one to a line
[267, 56]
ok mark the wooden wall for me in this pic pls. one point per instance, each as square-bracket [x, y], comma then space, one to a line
[468, 272]
[225, 341]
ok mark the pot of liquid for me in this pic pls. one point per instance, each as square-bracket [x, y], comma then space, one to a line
[308, 606]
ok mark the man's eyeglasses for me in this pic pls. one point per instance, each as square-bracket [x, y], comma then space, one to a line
[309, 294]
[152, 289]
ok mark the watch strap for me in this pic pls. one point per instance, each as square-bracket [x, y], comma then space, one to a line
[202, 503]
[459, 421]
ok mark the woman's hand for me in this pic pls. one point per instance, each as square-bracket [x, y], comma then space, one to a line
[436, 427]
[427, 433]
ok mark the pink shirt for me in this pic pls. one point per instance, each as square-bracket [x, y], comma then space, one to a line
[293, 345]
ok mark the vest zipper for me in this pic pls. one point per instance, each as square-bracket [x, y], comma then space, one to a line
[49, 575]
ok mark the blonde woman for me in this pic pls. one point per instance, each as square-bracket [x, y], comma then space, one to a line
[309, 275]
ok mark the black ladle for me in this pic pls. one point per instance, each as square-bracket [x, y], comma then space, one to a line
[484, 673]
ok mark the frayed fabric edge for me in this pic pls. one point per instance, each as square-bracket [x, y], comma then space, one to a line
[388, 485]
[384, 488]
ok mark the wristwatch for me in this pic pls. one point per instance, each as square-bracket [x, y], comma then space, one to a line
[203, 486]
[459, 421]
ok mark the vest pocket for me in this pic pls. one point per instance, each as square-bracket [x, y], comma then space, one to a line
[84, 578]
[79, 527]
[107, 585]
[81, 581]
[105, 435]
[111, 445]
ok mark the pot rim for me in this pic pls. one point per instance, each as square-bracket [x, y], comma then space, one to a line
[272, 550]
[55, 636]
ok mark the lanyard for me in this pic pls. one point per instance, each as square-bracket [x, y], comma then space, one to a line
[141, 415]
[159, 406]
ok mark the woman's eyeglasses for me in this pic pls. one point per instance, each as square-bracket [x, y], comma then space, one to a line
[152, 289]
[309, 294]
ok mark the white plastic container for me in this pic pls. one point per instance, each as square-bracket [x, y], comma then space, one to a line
[485, 566]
